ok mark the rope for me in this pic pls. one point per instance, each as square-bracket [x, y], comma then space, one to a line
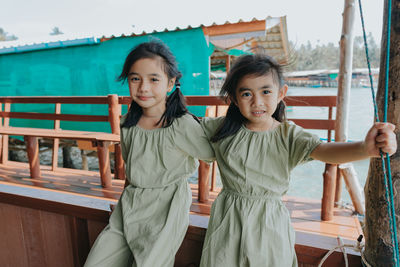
[358, 247]
[385, 165]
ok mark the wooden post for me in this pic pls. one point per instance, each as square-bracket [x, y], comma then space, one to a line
[328, 196]
[353, 186]
[104, 163]
[4, 147]
[204, 170]
[32, 148]
[1, 136]
[85, 163]
[56, 141]
[378, 248]
[344, 79]
[228, 63]
[214, 176]
[114, 111]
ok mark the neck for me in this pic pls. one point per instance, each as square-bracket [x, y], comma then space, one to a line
[262, 126]
[153, 112]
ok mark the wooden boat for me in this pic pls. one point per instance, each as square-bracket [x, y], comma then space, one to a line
[54, 218]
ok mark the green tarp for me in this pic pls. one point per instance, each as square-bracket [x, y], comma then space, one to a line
[92, 69]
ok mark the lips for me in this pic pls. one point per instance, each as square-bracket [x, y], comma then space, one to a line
[144, 98]
[258, 113]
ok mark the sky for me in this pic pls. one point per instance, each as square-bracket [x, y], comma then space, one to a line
[317, 21]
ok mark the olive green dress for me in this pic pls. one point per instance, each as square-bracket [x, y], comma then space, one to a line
[150, 220]
[249, 224]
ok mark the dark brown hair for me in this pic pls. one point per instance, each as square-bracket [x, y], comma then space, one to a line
[175, 105]
[257, 65]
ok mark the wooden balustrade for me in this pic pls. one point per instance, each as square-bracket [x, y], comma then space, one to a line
[216, 107]
[100, 140]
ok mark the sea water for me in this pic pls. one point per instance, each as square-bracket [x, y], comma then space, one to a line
[306, 179]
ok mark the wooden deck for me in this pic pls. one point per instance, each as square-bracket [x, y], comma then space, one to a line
[313, 236]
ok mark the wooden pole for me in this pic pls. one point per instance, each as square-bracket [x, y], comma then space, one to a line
[353, 186]
[344, 80]
[4, 146]
[32, 149]
[227, 63]
[204, 177]
[328, 195]
[378, 248]
[114, 111]
[56, 141]
[104, 163]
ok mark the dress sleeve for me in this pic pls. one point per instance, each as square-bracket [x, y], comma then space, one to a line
[210, 125]
[301, 144]
[191, 139]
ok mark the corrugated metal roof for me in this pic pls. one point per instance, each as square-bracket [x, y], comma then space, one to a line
[175, 28]
[68, 40]
[19, 46]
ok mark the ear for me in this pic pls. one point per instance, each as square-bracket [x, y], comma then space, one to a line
[282, 92]
[171, 84]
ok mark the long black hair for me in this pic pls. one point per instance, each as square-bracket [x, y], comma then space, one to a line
[257, 65]
[175, 104]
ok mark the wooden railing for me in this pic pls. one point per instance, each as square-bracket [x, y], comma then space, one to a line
[216, 107]
[100, 140]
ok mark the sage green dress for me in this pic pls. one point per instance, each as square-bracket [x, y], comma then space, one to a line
[150, 220]
[249, 224]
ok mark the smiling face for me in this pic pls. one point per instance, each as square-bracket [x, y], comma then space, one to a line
[149, 85]
[257, 98]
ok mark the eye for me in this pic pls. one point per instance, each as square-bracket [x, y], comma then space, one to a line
[154, 79]
[266, 92]
[134, 79]
[245, 94]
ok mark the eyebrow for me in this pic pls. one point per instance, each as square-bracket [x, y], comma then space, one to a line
[151, 74]
[242, 89]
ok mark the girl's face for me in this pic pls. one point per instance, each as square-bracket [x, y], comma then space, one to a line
[257, 98]
[149, 84]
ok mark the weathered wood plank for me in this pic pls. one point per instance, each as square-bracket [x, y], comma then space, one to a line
[12, 245]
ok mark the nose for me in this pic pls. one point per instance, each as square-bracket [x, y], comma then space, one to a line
[143, 87]
[258, 101]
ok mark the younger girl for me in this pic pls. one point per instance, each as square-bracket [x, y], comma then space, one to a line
[160, 142]
[256, 148]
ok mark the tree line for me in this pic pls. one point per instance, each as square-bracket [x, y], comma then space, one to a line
[327, 56]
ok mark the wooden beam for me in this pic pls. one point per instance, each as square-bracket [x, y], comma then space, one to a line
[231, 28]
[55, 99]
[344, 79]
[52, 116]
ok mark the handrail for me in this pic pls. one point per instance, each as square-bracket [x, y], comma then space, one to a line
[317, 101]
[54, 99]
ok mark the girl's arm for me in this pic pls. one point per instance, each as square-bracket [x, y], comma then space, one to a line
[191, 139]
[380, 136]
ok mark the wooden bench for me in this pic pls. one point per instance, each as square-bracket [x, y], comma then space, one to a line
[100, 140]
